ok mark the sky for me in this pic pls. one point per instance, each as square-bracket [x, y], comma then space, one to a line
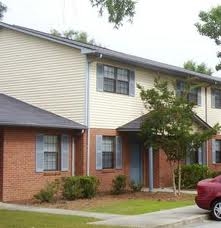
[162, 30]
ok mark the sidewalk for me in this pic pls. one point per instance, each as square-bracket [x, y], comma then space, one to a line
[177, 217]
[168, 218]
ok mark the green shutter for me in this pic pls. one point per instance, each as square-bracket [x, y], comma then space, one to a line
[100, 77]
[39, 153]
[99, 165]
[65, 153]
[119, 152]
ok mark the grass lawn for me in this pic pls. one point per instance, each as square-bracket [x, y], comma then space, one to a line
[19, 219]
[139, 206]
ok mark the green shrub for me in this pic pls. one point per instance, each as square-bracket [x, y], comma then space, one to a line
[215, 173]
[89, 185]
[72, 188]
[48, 194]
[80, 187]
[135, 187]
[119, 184]
[191, 174]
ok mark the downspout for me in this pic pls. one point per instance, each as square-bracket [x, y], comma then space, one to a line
[206, 119]
[87, 113]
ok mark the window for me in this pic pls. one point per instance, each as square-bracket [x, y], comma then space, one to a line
[218, 151]
[194, 94]
[216, 98]
[194, 157]
[108, 146]
[51, 152]
[108, 152]
[122, 81]
[180, 87]
[115, 80]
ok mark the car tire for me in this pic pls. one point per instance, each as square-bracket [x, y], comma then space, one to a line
[216, 210]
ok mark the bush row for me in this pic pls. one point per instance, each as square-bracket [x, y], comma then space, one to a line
[78, 187]
[192, 174]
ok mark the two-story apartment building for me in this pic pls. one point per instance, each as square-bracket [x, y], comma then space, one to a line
[95, 87]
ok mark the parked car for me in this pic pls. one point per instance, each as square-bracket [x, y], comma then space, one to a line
[209, 196]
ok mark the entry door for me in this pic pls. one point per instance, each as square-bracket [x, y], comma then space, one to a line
[135, 164]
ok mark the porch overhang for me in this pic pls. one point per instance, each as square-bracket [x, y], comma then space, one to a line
[135, 125]
[16, 113]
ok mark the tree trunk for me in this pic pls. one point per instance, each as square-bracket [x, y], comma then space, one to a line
[173, 177]
[179, 177]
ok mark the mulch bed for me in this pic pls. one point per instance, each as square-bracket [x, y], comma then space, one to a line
[102, 199]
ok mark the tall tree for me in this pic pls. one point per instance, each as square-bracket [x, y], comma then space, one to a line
[3, 9]
[74, 35]
[169, 125]
[117, 10]
[210, 26]
[199, 68]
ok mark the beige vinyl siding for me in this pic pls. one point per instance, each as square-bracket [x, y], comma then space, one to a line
[200, 110]
[213, 114]
[110, 110]
[43, 73]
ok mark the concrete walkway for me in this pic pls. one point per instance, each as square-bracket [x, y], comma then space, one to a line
[167, 218]
[18, 207]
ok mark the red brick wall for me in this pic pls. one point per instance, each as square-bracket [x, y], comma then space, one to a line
[20, 180]
[165, 175]
[80, 154]
[1, 162]
[105, 176]
[217, 166]
[161, 167]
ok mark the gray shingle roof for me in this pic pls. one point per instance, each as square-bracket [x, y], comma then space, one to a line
[135, 124]
[114, 55]
[14, 112]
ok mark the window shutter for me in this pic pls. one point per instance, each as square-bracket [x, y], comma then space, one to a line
[213, 151]
[213, 97]
[98, 152]
[204, 151]
[199, 96]
[132, 84]
[118, 152]
[200, 156]
[100, 77]
[64, 153]
[188, 158]
[40, 153]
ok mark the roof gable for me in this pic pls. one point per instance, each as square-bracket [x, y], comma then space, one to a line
[15, 112]
[135, 124]
[89, 49]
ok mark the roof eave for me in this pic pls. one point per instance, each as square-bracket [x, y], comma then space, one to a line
[10, 124]
[209, 79]
[56, 40]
